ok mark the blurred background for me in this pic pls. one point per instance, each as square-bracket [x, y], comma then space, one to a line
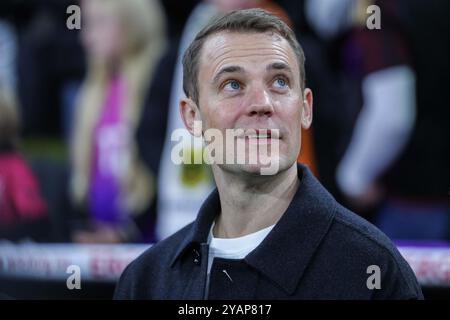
[89, 98]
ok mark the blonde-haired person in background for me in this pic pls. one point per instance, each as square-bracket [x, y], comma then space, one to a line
[124, 41]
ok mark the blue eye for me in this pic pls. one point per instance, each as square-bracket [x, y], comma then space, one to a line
[280, 83]
[232, 85]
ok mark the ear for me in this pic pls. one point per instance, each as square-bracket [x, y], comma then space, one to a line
[190, 112]
[307, 106]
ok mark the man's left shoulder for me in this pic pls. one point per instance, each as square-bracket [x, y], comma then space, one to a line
[368, 246]
[353, 226]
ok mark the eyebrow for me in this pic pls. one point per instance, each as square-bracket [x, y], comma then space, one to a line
[237, 69]
[229, 69]
[279, 66]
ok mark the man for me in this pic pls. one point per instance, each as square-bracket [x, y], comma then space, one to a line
[260, 236]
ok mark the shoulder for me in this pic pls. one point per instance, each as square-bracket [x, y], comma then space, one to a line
[359, 228]
[365, 245]
[150, 267]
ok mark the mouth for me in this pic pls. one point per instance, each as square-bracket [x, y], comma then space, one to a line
[261, 134]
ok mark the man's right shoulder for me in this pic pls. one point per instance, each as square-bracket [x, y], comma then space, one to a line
[149, 267]
[162, 252]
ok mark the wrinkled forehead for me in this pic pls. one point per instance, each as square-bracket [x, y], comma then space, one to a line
[228, 47]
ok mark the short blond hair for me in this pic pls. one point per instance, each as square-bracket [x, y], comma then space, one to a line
[240, 21]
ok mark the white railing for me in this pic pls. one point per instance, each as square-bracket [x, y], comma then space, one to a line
[106, 262]
[50, 261]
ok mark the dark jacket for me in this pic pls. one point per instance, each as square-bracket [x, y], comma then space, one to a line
[317, 250]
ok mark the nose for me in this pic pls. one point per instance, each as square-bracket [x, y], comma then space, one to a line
[260, 103]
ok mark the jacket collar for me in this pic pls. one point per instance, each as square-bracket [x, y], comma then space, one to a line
[305, 223]
[198, 231]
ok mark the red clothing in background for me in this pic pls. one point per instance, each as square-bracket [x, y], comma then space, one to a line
[20, 199]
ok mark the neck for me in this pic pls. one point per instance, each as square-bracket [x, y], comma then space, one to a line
[249, 205]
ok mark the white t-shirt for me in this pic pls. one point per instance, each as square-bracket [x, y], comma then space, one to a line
[233, 248]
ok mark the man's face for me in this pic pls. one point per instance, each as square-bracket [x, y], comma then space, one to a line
[252, 81]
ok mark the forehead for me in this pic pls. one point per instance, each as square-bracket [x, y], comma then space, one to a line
[225, 48]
